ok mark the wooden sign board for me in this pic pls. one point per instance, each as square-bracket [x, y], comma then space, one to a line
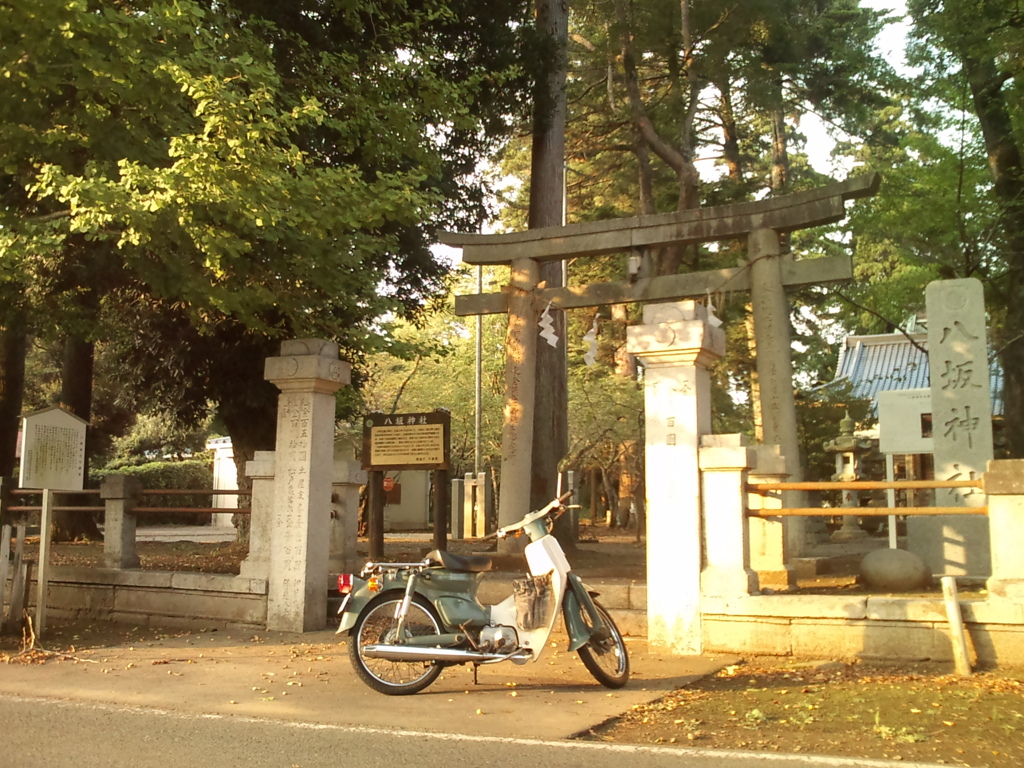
[407, 440]
[52, 450]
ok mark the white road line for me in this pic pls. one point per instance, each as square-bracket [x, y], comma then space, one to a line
[768, 757]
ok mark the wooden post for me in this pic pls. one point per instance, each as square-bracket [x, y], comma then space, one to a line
[441, 506]
[5, 555]
[375, 513]
[18, 575]
[43, 572]
[956, 626]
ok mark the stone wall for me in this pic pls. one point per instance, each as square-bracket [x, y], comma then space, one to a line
[826, 627]
[801, 626]
[158, 598]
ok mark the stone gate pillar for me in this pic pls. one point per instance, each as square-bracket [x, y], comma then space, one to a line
[676, 344]
[308, 373]
[1004, 484]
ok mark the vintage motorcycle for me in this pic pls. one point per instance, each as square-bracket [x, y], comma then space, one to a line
[408, 621]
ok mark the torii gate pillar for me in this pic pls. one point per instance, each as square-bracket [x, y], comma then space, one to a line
[520, 393]
[773, 342]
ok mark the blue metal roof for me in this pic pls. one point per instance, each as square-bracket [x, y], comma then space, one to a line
[888, 361]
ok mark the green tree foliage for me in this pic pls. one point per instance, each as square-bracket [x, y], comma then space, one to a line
[432, 364]
[656, 89]
[194, 181]
[971, 57]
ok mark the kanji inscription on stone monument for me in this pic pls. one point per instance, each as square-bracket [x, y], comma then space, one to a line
[962, 417]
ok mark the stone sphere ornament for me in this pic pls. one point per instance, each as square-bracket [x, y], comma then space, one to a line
[894, 570]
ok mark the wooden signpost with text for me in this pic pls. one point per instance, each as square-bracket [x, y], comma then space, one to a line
[395, 441]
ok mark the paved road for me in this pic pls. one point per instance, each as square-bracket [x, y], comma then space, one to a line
[219, 699]
[51, 733]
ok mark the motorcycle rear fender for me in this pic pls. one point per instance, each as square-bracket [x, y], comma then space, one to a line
[360, 596]
[452, 594]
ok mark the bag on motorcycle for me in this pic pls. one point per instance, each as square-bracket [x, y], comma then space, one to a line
[534, 601]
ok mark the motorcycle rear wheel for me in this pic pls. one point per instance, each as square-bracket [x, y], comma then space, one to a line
[607, 660]
[378, 624]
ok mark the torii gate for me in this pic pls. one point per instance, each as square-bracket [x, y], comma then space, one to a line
[766, 275]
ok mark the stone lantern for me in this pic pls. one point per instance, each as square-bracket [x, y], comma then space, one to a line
[849, 449]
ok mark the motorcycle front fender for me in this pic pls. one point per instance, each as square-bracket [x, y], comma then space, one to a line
[577, 600]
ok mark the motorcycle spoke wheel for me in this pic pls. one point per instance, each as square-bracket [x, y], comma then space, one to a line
[379, 625]
[607, 660]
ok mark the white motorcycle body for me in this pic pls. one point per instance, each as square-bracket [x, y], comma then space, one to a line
[542, 557]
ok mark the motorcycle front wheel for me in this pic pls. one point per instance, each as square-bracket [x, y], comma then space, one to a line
[378, 624]
[606, 659]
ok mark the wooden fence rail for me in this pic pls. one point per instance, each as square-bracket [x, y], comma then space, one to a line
[766, 489]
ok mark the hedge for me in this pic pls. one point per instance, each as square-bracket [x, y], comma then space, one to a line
[186, 474]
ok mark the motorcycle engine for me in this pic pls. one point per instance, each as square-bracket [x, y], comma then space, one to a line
[498, 639]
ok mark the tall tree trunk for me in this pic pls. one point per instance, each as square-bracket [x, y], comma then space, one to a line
[76, 395]
[730, 136]
[251, 429]
[1004, 157]
[76, 376]
[679, 157]
[780, 152]
[13, 347]
[547, 175]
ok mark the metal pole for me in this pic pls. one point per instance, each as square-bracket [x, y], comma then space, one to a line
[478, 416]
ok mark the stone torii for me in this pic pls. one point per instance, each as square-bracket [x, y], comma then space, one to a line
[765, 275]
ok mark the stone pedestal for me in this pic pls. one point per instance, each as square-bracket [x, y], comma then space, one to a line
[120, 494]
[345, 515]
[676, 344]
[725, 461]
[769, 552]
[308, 373]
[1004, 484]
[261, 472]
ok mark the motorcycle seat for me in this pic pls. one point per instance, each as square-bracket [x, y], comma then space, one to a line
[465, 563]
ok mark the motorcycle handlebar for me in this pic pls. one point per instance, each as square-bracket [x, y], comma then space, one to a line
[558, 503]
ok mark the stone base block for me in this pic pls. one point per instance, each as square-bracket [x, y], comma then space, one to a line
[778, 581]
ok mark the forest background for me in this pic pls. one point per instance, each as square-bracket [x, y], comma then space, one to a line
[184, 184]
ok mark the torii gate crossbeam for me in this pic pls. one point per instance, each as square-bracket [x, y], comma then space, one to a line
[765, 275]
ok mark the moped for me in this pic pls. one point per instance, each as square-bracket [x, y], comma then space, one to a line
[408, 621]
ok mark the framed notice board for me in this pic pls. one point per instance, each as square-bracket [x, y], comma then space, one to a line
[407, 440]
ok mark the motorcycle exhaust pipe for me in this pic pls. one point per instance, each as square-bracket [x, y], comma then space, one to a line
[444, 655]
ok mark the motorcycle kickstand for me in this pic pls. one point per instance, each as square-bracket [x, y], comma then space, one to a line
[475, 668]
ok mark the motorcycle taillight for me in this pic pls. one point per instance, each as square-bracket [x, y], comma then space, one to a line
[344, 583]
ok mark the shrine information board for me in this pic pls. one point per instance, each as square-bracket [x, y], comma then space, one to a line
[407, 440]
[52, 450]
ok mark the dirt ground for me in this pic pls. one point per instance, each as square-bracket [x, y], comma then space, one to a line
[914, 712]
